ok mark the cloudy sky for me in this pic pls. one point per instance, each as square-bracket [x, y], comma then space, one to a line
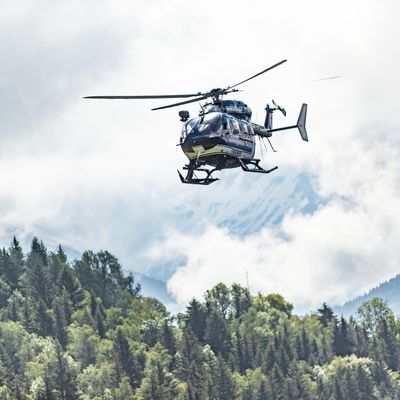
[102, 175]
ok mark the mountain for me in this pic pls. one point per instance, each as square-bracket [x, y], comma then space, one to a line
[154, 288]
[389, 291]
[244, 203]
[248, 202]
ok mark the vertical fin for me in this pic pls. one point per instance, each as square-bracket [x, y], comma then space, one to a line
[301, 122]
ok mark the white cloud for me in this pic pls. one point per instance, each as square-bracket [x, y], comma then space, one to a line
[330, 256]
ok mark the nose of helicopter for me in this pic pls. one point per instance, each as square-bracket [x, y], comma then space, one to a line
[200, 141]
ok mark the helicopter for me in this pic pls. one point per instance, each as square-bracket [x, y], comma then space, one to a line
[223, 135]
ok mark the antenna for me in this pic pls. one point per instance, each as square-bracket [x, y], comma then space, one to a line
[247, 280]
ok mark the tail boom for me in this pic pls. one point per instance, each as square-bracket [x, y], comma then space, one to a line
[301, 125]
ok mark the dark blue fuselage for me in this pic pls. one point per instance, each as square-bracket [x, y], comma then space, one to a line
[218, 139]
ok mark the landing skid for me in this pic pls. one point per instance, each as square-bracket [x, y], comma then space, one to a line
[193, 179]
[256, 167]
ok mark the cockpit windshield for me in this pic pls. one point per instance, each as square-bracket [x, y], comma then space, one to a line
[210, 121]
[206, 123]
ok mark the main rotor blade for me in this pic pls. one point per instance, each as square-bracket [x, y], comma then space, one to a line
[325, 79]
[262, 72]
[182, 102]
[156, 96]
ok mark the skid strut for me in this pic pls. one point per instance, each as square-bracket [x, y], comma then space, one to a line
[192, 178]
[256, 166]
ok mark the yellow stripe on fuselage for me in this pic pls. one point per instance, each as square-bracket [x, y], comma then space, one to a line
[200, 151]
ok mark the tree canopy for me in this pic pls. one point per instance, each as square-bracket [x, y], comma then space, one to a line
[83, 330]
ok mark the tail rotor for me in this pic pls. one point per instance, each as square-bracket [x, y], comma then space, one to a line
[278, 107]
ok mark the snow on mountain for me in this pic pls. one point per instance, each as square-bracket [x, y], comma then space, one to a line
[244, 203]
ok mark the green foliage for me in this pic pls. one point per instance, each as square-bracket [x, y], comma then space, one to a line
[158, 383]
[190, 365]
[82, 344]
[95, 382]
[217, 332]
[325, 315]
[82, 330]
[128, 363]
[196, 317]
[372, 312]
[356, 378]
[278, 302]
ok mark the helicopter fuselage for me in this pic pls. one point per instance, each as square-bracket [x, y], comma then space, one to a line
[218, 139]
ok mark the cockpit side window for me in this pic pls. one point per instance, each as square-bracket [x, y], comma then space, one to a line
[188, 127]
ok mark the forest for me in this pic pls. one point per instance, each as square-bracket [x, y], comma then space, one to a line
[83, 330]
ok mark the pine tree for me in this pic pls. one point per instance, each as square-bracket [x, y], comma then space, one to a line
[125, 362]
[39, 249]
[350, 386]
[239, 353]
[99, 317]
[44, 319]
[61, 254]
[28, 316]
[196, 318]
[338, 391]
[224, 381]
[276, 382]
[325, 352]
[361, 341]
[365, 383]
[18, 263]
[325, 315]
[9, 271]
[190, 367]
[5, 292]
[38, 279]
[264, 391]
[342, 342]
[60, 323]
[270, 358]
[389, 345]
[64, 376]
[168, 340]
[72, 285]
[158, 383]
[294, 386]
[217, 333]
[303, 345]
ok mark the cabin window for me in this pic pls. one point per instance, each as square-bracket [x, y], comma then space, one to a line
[244, 127]
[226, 123]
[235, 124]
